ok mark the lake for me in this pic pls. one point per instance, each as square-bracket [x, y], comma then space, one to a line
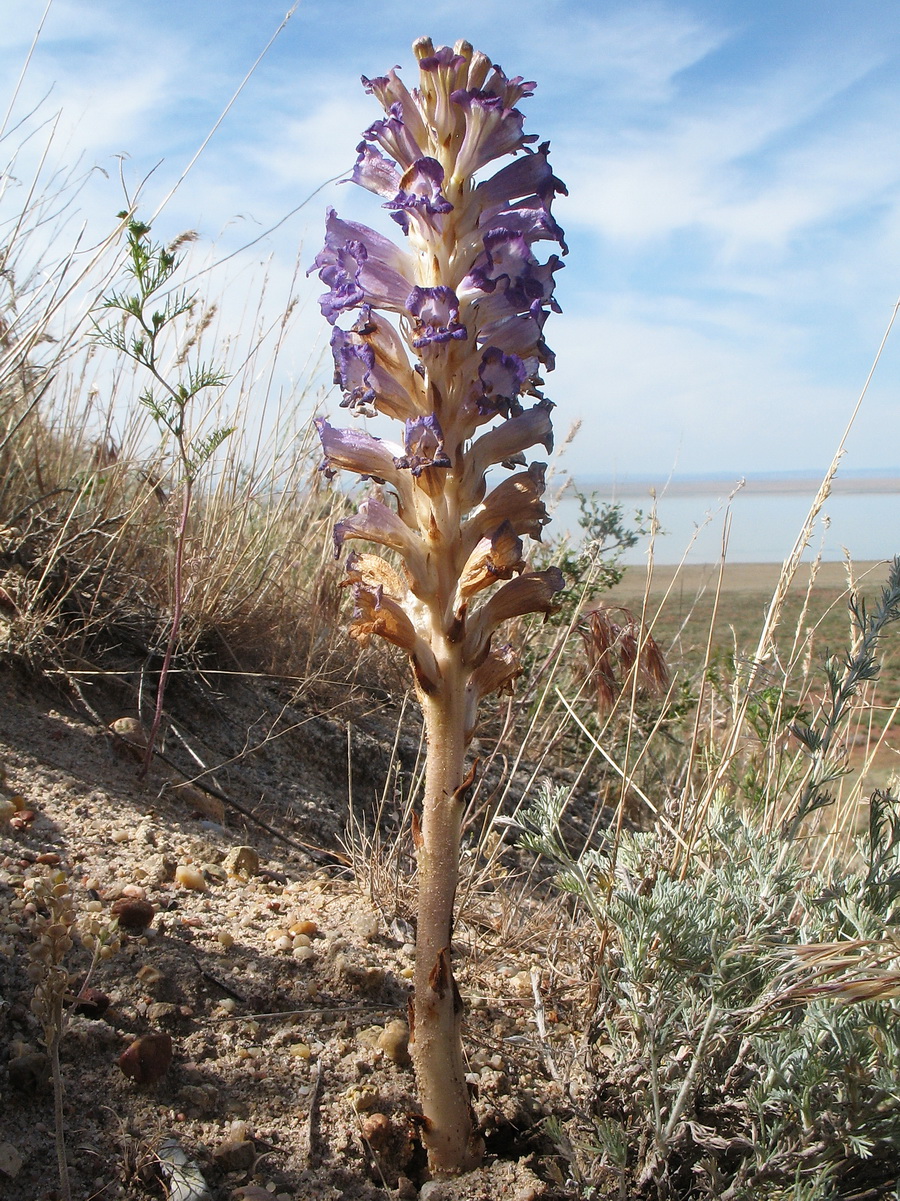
[765, 520]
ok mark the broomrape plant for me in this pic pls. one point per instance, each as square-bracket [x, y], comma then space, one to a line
[464, 349]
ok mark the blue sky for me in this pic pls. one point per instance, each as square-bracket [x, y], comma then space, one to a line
[733, 170]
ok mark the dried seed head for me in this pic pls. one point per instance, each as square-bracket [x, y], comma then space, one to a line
[617, 646]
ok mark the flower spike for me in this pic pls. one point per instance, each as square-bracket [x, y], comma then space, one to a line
[443, 333]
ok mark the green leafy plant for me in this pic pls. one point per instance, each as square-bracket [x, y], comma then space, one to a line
[745, 1034]
[844, 677]
[148, 311]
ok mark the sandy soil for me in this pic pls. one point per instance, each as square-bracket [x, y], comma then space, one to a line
[739, 577]
[282, 987]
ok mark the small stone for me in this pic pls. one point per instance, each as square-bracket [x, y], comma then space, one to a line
[432, 1190]
[225, 940]
[394, 1042]
[362, 1097]
[10, 1161]
[30, 1073]
[160, 869]
[91, 1003]
[164, 1013]
[284, 944]
[241, 862]
[303, 954]
[149, 975]
[368, 1036]
[235, 1155]
[131, 741]
[148, 1058]
[310, 929]
[190, 877]
[120, 836]
[199, 801]
[365, 925]
[376, 1130]
[299, 1051]
[202, 1097]
[134, 915]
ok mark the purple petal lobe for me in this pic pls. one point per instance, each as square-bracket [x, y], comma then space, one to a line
[367, 370]
[424, 446]
[394, 135]
[353, 450]
[502, 377]
[420, 189]
[375, 172]
[436, 311]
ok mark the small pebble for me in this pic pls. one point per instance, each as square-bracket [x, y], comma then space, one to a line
[188, 876]
[226, 940]
[394, 1042]
[304, 928]
[362, 1097]
[303, 954]
[376, 1130]
[134, 915]
[241, 862]
[149, 975]
[148, 1058]
[120, 836]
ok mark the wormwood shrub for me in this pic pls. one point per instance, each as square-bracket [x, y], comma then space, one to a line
[744, 1042]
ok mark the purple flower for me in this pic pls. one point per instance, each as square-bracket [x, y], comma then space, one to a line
[360, 266]
[375, 522]
[394, 98]
[375, 172]
[368, 385]
[527, 176]
[353, 450]
[492, 131]
[420, 189]
[424, 446]
[394, 135]
[502, 377]
[436, 311]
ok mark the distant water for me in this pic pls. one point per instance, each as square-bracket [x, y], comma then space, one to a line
[763, 526]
